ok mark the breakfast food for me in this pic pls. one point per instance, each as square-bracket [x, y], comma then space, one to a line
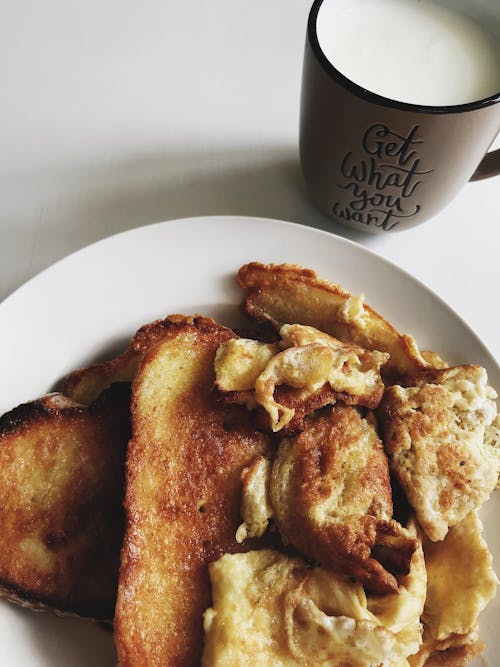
[454, 599]
[434, 434]
[296, 497]
[61, 490]
[256, 510]
[319, 479]
[182, 501]
[492, 440]
[460, 583]
[304, 371]
[331, 497]
[288, 294]
[271, 609]
[86, 384]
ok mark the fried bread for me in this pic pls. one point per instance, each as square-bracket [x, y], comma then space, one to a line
[61, 489]
[85, 384]
[331, 497]
[290, 294]
[183, 494]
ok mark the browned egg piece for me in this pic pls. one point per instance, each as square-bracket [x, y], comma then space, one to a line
[331, 497]
[460, 583]
[269, 609]
[305, 370]
[288, 294]
[439, 434]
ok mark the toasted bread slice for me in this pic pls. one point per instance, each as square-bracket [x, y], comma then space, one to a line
[85, 384]
[61, 490]
[289, 294]
[183, 494]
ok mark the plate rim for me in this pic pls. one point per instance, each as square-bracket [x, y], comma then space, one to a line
[338, 241]
[150, 227]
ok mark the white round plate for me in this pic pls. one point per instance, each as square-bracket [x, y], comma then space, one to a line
[85, 308]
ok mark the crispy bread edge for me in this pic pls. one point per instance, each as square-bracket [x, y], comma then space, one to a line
[254, 277]
[15, 422]
[171, 327]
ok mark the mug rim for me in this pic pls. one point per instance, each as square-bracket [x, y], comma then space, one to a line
[375, 98]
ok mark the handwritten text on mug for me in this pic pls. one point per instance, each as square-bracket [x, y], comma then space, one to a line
[391, 162]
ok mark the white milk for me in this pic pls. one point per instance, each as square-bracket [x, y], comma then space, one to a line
[410, 50]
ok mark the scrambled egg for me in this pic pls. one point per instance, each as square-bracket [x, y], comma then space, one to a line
[461, 580]
[492, 440]
[353, 311]
[434, 434]
[331, 496]
[287, 293]
[240, 361]
[460, 583]
[329, 492]
[256, 507]
[442, 438]
[306, 360]
[273, 611]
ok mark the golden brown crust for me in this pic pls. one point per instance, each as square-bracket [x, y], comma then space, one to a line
[331, 497]
[303, 408]
[61, 488]
[85, 384]
[433, 432]
[286, 293]
[306, 370]
[183, 496]
[456, 656]
[456, 651]
[434, 359]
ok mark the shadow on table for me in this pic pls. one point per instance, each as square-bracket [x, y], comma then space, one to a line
[261, 183]
[250, 182]
[101, 199]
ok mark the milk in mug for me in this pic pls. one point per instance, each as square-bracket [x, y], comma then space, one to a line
[412, 51]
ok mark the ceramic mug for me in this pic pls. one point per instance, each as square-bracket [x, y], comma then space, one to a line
[378, 165]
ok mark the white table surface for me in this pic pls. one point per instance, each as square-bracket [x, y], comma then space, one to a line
[117, 114]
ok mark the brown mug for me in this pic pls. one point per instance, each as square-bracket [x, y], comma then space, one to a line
[376, 164]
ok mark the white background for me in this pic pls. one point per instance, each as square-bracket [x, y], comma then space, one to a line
[116, 114]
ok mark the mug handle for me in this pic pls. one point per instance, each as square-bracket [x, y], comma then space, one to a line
[489, 166]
